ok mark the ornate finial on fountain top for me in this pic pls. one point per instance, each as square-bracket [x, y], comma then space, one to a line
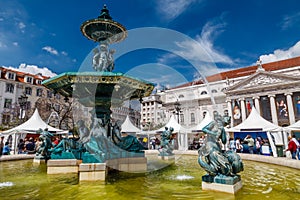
[104, 13]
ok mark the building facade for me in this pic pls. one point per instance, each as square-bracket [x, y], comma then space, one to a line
[272, 88]
[14, 86]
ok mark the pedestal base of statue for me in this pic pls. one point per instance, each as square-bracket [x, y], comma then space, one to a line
[227, 184]
[62, 166]
[92, 172]
[168, 157]
[129, 164]
[39, 160]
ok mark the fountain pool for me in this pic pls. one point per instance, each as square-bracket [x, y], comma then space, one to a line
[181, 180]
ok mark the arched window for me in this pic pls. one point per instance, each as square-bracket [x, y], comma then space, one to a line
[181, 96]
[214, 91]
[203, 92]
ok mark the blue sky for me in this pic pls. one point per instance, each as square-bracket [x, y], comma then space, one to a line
[187, 38]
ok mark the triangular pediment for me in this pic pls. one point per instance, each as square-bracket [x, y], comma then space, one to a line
[264, 79]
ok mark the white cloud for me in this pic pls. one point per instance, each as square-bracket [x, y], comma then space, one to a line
[16, 44]
[290, 20]
[202, 48]
[21, 26]
[50, 50]
[280, 54]
[173, 8]
[33, 69]
[64, 53]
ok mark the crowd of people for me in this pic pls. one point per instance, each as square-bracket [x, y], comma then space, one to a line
[252, 145]
[25, 146]
[240, 145]
[249, 145]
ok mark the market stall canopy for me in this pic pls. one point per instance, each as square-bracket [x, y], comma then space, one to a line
[32, 125]
[174, 124]
[293, 127]
[255, 123]
[207, 119]
[128, 127]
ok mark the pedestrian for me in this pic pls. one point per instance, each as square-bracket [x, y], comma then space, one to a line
[153, 143]
[6, 149]
[239, 146]
[257, 145]
[232, 145]
[292, 147]
[21, 146]
[1, 145]
[250, 141]
[298, 147]
[30, 146]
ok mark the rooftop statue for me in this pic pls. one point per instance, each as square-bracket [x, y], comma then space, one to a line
[211, 158]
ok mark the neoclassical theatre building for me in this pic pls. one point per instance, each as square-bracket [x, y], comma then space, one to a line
[272, 88]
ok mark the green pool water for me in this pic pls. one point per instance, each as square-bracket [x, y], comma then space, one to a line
[181, 180]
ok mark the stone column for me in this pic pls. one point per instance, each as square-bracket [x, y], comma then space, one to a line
[273, 109]
[229, 108]
[256, 103]
[290, 108]
[243, 110]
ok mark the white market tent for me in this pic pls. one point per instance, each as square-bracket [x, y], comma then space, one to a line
[32, 125]
[128, 127]
[180, 130]
[207, 119]
[256, 123]
[293, 127]
[174, 124]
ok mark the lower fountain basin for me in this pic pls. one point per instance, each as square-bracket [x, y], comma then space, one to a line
[180, 180]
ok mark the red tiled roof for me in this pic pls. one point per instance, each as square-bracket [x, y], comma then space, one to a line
[247, 71]
[20, 75]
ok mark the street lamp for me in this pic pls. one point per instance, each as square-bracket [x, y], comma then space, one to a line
[177, 109]
[22, 100]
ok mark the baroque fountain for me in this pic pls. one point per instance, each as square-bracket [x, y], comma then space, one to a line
[102, 141]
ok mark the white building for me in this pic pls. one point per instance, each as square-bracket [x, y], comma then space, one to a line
[263, 86]
[15, 84]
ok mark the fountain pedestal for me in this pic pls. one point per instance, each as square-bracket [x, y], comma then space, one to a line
[228, 184]
[92, 172]
[39, 161]
[129, 164]
[62, 166]
[168, 158]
